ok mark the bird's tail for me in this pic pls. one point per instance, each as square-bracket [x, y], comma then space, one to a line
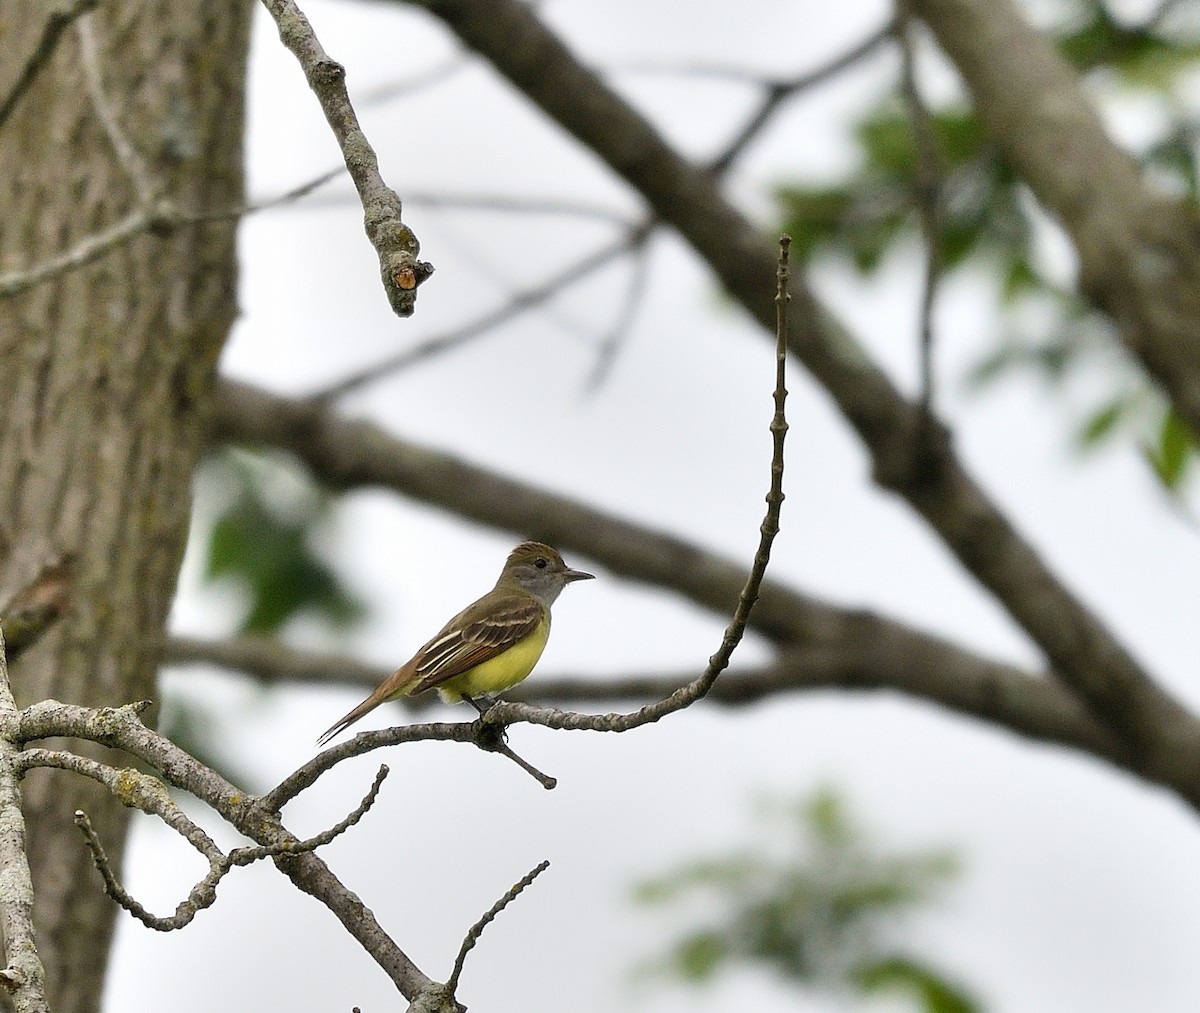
[364, 708]
[398, 685]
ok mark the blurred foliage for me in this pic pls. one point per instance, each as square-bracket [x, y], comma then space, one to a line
[195, 727]
[816, 903]
[267, 538]
[989, 220]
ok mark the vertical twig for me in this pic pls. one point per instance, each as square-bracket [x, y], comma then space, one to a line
[23, 974]
[927, 185]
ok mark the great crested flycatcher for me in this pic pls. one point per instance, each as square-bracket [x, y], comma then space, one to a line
[489, 646]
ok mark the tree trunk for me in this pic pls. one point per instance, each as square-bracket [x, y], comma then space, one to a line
[107, 373]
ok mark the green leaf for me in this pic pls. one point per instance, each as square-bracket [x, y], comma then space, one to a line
[935, 993]
[266, 542]
[1104, 421]
[817, 900]
[1173, 452]
[699, 956]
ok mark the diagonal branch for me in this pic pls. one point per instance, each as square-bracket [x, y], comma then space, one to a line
[489, 916]
[516, 304]
[779, 92]
[57, 22]
[393, 241]
[1080, 648]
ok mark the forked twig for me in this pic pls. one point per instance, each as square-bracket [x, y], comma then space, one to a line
[204, 893]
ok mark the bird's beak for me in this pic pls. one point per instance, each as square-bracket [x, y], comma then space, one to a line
[570, 575]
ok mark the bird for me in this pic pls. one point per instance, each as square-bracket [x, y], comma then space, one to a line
[487, 648]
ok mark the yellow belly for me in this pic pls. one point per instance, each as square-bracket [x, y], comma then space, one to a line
[501, 672]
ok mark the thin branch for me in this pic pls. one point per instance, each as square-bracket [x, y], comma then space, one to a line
[476, 930]
[363, 742]
[57, 22]
[610, 344]
[268, 203]
[928, 188]
[394, 242]
[132, 788]
[508, 204]
[747, 75]
[776, 93]
[160, 217]
[504, 204]
[202, 895]
[383, 93]
[517, 304]
[143, 184]
[23, 974]
[492, 738]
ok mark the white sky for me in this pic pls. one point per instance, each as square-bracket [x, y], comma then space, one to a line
[1080, 890]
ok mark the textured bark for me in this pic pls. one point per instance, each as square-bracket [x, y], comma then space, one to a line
[107, 373]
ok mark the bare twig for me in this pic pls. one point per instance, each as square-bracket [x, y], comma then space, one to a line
[143, 184]
[162, 217]
[394, 242]
[476, 930]
[928, 187]
[23, 974]
[204, 893]
[132, 788]
[363, 742]
[503, 204]
[517, 304]
[779, 92]
[507, 204]
[382, 93]
[492, 738]
[610, 344]
[57, 22]
[268, 203]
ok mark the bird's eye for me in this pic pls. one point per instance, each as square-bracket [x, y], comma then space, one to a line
[540, 563]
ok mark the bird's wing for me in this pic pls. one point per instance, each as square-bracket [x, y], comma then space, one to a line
[462, 646]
